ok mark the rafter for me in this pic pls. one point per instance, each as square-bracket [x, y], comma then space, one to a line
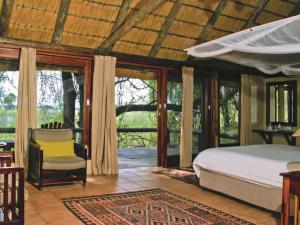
[145, 7]
[7, 7]
[60, 20]
[165, 28]
[123, 11]
[256, 13]
[212, 20]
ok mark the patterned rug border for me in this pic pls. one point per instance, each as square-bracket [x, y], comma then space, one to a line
[104, 195]
[207, 208]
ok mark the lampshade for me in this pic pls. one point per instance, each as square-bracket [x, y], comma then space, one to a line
[296, 133]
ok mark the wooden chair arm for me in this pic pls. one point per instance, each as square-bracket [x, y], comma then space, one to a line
[80, 150]
[34, 146]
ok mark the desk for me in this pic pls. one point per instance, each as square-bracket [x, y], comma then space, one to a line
[267, 135]
[291, 185]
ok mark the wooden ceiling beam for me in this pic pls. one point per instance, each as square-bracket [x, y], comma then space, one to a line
[258, 10]
[211, 22]
[60, 20]
[144, 8]
[6, 12]
[123, 12]
[165, 28]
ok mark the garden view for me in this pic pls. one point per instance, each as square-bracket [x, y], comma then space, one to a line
[60, 98]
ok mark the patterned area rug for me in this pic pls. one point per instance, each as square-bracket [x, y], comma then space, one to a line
[187, 176]
[150, 207]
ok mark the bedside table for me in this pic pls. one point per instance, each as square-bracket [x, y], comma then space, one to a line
[291, 185]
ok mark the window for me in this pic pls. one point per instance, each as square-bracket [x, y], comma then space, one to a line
[281, 103]
[60, 98]
[9, 78]
[229, 112]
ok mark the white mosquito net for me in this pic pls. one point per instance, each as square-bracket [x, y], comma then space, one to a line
[271, 48]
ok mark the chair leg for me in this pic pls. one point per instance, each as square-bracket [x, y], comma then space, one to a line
[40, 185]
[84, 180]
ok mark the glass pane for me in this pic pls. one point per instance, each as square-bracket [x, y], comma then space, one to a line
[60, 96]
[272, 103]
[229, 102]
[286, 105]
[198, 115]
[174, 100]
[9, 78]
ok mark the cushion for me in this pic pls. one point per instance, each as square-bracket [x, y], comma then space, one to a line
[63, 163]
[52, 134]
[57, 148]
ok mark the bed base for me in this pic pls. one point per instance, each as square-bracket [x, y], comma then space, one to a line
[263, 196]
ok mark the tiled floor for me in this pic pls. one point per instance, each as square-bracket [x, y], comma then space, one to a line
[45, 207]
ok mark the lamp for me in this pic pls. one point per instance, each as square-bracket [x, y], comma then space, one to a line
[296, 133]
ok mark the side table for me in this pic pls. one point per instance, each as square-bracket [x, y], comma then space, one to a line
[291, 185]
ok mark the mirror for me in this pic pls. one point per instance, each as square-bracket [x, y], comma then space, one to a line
[281, 103]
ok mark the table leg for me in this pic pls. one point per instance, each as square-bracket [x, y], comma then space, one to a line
[285, 208]
[296, 210]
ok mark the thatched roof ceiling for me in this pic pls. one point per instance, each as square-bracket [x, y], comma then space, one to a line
[160, 28]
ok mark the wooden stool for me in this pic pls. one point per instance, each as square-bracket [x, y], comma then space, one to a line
[291, 185]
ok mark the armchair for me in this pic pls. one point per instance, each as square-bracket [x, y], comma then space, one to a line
[45, 168]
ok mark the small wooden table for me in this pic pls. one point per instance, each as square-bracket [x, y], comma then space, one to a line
[267, 135]
[291, 185]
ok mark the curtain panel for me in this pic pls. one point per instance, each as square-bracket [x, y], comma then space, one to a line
[245, 127]
[186, 138]
[104, 132]
[27, 104]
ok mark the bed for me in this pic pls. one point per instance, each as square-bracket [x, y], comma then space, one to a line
[249, 173]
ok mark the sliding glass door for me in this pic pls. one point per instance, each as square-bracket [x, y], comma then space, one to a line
[174, 110]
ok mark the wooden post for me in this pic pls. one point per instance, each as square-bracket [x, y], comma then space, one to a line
[162, 119]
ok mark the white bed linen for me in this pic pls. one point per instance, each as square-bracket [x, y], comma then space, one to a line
[254, 163]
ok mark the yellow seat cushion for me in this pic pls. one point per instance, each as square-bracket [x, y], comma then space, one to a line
[57, 148]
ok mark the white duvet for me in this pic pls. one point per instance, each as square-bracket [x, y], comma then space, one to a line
[255, 163]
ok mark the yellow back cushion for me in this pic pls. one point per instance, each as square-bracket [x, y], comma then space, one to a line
[57, 148]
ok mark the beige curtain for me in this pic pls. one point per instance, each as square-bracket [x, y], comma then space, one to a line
[186, 138]
[245, 129]
[27, 103]
[104, 132]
